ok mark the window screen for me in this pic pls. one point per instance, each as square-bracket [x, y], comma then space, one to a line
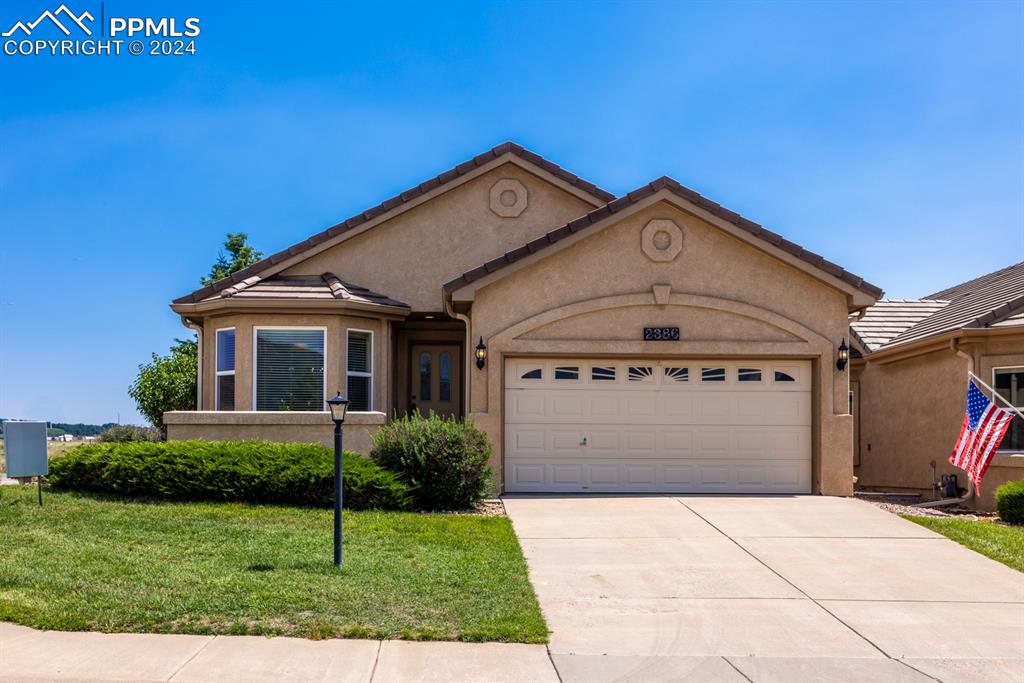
[225, 350]
[225, 370]
[226, 392]
[290, 369]
[1009, 383]
[360, 370]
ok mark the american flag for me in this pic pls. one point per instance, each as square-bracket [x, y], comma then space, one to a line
[985, 423]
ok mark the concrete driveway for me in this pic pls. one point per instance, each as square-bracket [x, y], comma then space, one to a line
[789, 588]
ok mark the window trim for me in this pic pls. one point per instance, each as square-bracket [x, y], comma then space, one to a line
[216, 364]
[359, 373]
[255, 362]
[1005, 451]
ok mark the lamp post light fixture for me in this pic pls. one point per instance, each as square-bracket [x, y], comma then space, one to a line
[843, 355]
[338, 406]
[481, 354]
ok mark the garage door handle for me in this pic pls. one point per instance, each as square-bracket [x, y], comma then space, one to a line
[584, 442]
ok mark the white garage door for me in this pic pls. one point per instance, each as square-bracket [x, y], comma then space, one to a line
[702, 426]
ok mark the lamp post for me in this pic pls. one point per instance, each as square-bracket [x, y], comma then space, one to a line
[338, 406]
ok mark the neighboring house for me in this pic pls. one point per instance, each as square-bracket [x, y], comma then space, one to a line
[652, 342]
[910, 385]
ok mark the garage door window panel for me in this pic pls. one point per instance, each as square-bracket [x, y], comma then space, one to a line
[675, 374]
[784, 375]
[567, 372]
[749, 375]
[641, 373]
[602, 373]
[712, 375]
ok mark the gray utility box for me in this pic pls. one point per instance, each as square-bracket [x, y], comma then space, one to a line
[25, 449]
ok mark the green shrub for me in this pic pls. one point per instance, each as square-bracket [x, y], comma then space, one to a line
[243, 471]
[129, 433]
[1010, 502]
[443, 459]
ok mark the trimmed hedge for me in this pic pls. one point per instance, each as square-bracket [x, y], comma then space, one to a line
[1010, 502]
[241, 471]
[444, 460]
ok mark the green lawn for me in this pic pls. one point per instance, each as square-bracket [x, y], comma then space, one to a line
[1002, 543]
[82, 563]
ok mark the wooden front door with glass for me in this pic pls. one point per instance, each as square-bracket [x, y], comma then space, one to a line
[435, 381]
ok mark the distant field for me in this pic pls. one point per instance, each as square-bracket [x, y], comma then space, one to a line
[53, 449]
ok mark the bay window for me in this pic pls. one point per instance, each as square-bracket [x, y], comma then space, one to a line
[288, 369]
[359, 370]
[224, 387]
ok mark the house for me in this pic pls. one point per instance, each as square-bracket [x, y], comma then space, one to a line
[909, 386]
[654, 342]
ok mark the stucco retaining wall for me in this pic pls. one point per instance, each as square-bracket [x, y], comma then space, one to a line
[301, 427]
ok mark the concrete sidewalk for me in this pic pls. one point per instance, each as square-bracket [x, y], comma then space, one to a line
[27, 656]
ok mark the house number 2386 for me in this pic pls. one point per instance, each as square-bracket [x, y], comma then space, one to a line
[661, 334]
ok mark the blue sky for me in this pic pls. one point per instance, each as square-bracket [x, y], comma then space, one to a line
[887, 137]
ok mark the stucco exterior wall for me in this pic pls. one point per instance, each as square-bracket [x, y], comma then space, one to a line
[728, 299]
[411, 255]
[911, 411]
[297, 427]
[334, 348]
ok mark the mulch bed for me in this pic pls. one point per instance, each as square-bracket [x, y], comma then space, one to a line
[946, 511]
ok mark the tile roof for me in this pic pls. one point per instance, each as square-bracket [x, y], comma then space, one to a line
[662, 183]
[1011, 321]
[977, 283]
[890, 318]
[994, 299]
[396, 201]
[305, 287]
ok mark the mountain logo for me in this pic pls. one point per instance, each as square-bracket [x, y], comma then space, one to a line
[69, 16]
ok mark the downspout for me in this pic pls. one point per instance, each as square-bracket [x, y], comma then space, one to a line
[198, 329]
[955, 347]
[467, 353]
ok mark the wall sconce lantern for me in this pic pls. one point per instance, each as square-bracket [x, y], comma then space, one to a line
[481, 354]
[843, 355]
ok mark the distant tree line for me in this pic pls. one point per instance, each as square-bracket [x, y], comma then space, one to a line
[76, 429]
[79, 429]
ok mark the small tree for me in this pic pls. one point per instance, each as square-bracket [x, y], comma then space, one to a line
[242, 255]
[167, 383]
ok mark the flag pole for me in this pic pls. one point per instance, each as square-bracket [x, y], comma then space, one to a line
[995, 394]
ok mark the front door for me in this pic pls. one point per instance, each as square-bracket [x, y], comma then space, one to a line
[434, 381]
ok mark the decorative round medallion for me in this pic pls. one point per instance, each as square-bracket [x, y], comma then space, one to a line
[508, 198]
[661, 240]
